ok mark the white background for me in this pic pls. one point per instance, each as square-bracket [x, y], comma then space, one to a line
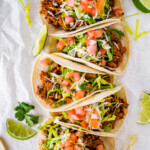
[16, 62]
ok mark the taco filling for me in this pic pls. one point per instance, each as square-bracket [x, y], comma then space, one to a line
[102, 47]
[60, 85]
[70, 14]
[61, 138]
[100, 116]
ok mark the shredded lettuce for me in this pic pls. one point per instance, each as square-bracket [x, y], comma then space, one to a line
[123, 18]
[108, 127]
[137, 36]
[27, 10]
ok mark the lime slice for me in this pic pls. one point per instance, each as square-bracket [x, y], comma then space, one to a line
[18, 130]
[142, 5]
[39, 44]
[2, 146]
[144, 116]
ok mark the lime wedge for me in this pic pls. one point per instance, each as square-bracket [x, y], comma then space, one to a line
[144, 116]
[142, 5]
[18, 130]
[39, 44]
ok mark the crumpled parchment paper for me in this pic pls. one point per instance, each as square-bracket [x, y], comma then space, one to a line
[16, 63]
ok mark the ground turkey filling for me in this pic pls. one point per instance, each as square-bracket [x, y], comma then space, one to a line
[50, 10]
[47, 85]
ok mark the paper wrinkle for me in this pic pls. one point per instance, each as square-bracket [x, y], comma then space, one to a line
[16, 63]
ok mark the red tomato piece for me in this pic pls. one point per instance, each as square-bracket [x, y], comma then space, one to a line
[99, 147]
[68, 143]
[70, 39]
[68, 100]
[71, 3]
[92, 49]
[85, 2]
[100, 6]
[99, 33]
[80, 94]
[69, 148]
[65, 82]
[103, 51]
[89, 85]
[81, 8]
[67, 88]
[94, 123]
[90, 10]
[60, 45]
[68, 20]
[91, 34]
[80, 111]
[75, 117]
[73, 137]
[76, 76]
[103, 62]
[83, 123]
[70, 112]
[69, 75]
[118, 12]
[95, 115]
[76, 147]
[45, 61]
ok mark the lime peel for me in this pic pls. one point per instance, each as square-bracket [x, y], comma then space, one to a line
[27, 10]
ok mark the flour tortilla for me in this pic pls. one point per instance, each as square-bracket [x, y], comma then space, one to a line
[65, 63]
[56, 30]
[109, 142]
[52, 43]
[94, 99]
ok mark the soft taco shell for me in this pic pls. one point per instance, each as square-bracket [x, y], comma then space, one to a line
[109, 142]
[51, 48]
[54, 30]
[94, 99]
[65, 63]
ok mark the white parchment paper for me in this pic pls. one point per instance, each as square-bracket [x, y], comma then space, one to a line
[16, 62]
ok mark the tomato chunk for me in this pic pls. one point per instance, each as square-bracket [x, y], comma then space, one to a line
[60, 45]
[99, 33]
[83, 123]
[69, 75]
[76, 147]
[75, 117]
[90, 10]
[65, 82]
[69, 148]
[70, 39]
[95, 115]
[99, 147]
[67, 88]
[94, 123]
[103, 51]
[80, 94]
[70, 112]
[68, 100]
[80, 111]
[91, 34]
[92, 49]
[118, 12]
[81, 8]
[73, 137]
[100, 6]
[103, 62]
[85, 2]
[68, 143]
[45, 61]
[76, 76]
[68, 20]
[71, 3]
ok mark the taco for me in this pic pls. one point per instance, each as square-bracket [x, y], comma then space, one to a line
[54, 136]
[77, 15]
[59, 83]
[107, 114]
[104, 47]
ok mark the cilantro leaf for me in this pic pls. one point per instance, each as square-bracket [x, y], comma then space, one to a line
[26, 107]
[32, 120]
[20, 114]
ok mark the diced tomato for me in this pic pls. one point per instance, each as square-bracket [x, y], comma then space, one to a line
[71, 120]
[75, 117]
[73, 137]
[60, 45]
[100, 6]
[118, 12]
[95, 115]
[81, 8]
[83, 123]
[89, 85]
[69, 148]
[85, 2]
[68, 143]
[67, 88]
[103, 62]
[71, 3]
[103, 51]
[69, 75]
[87, 41]
[41, 148]
[79, 133]
[80, 111]
[76, 76]
[70, 112]
[68, 20]
[45, 61]
[62, 146]
[90, 10]
[76, 147]
[65, 82]
[99, 33]
[68, 100]
[91, 34]
[92, 49]
[70, 39]
[80, 94]
[99, 147]
[94, 123]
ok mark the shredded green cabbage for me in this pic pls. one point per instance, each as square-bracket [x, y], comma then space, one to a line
[27, 10]
[137, 36]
